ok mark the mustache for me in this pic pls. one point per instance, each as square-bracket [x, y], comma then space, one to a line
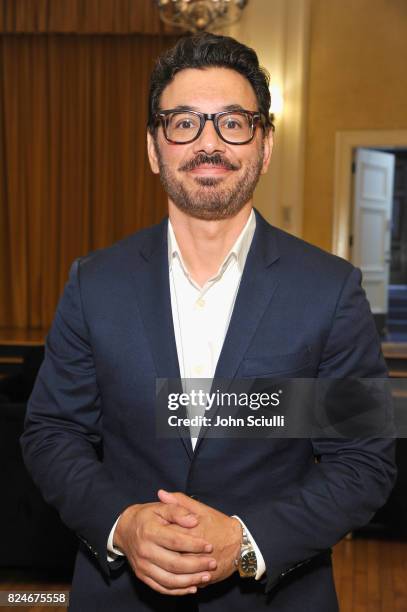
[217, 160]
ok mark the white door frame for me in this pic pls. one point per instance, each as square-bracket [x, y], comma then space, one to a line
[345, 143]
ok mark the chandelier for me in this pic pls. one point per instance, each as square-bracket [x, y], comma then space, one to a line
[200, 15]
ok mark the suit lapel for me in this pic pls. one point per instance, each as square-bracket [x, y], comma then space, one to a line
[154, 300]
[258, 284]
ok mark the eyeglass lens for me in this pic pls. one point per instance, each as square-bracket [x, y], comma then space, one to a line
[184, 126]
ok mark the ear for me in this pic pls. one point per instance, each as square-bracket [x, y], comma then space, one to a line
[268, 147]
[152, 153]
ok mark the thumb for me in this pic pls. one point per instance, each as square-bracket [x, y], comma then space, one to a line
[167, 498]
[179, 498]
[174, 512]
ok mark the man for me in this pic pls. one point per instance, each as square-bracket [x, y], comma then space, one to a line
[216, 524]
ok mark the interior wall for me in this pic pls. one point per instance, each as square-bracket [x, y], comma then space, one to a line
[278, 31]
[357, 81]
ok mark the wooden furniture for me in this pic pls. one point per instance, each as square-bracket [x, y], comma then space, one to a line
[15, 347]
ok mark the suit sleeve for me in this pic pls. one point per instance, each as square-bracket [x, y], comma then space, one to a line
[62, 439]
[351, 478]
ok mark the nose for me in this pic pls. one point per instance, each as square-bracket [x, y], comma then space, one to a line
[209, 141]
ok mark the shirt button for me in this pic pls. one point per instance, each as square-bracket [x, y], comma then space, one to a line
[200, 303]
[198, 369]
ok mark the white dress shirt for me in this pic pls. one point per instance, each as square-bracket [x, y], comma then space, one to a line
[201, 317]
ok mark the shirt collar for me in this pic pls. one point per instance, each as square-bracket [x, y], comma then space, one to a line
[239, 250]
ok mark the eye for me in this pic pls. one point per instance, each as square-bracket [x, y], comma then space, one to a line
[184, 124]
[232, 122]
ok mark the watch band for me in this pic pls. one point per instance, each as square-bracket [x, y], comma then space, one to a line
[246, 562]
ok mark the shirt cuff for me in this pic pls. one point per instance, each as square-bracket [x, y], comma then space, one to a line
[261, 565]
[112, 551]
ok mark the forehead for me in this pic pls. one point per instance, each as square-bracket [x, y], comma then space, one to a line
[209, 90]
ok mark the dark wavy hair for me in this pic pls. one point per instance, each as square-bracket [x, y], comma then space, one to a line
[202, 51]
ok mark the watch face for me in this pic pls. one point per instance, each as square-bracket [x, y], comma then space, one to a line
[249, 563]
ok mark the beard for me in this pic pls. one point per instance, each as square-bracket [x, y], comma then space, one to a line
[209, 200]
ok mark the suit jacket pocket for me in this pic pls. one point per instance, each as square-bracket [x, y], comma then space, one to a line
[275, 363]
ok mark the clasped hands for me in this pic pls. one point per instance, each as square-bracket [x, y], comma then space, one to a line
[178, 544]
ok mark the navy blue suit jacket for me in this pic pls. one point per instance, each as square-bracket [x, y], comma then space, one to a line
[90, 443]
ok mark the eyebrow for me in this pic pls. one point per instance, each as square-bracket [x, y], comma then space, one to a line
[228, 107]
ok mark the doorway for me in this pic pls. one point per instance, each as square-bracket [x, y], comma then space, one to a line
[370, 221]
[397, 311]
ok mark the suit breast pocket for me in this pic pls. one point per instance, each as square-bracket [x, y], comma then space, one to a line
[274, 364]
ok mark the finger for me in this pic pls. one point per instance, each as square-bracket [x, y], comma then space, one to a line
[173, 539]
[178, 563]
[157, 587]
[173, 581]
[174, 513]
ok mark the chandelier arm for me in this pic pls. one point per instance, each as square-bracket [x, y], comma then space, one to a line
[200, 15]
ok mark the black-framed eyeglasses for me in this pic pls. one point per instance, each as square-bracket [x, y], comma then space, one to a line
[184, 126]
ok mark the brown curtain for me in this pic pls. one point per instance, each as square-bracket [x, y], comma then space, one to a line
[81, 16]
[74, 175]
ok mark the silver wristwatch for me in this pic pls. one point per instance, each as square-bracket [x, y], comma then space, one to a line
[246, 562]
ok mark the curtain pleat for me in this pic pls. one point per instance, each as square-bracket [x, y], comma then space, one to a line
[81, 16]
[74, 174]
